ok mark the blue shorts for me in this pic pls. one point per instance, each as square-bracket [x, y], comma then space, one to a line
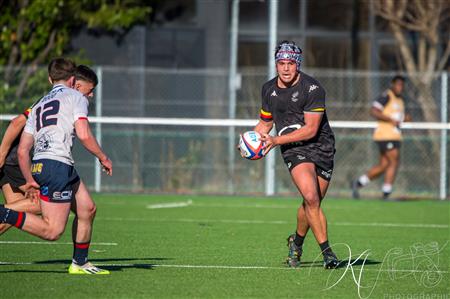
[57, 180]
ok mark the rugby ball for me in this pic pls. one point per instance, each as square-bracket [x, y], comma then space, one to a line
[250, 145]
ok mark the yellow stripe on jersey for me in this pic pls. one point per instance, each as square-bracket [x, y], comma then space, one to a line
[265, 113]
[27, 112]
[318, 110]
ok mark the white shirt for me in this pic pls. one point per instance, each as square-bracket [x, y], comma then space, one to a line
[52, 123]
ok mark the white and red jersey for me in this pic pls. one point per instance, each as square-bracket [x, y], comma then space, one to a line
[52, 123]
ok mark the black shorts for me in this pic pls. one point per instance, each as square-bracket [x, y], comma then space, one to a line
[11, 174]
[324, 170]
[57, 180]
[387, 145]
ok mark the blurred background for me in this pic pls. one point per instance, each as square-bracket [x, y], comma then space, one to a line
[162, 61]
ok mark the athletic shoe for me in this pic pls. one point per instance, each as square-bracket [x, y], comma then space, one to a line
[330, 261]
[295, 253]
[87, 268]
[354, 185]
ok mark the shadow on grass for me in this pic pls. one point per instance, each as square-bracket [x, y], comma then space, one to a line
[35, 271]
[112, 264]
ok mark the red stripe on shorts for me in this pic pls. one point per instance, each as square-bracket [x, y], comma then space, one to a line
[43, 197]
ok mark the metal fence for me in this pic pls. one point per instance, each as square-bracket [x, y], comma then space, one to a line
[166, 158]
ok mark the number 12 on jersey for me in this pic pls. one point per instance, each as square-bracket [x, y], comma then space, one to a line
[48, 110]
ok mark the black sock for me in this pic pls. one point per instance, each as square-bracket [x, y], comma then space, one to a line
[12, 217]
[325, 247]
[298, 240]
[80, 253]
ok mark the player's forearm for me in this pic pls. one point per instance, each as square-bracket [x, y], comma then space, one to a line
[23, 156]
[88, 140]
[263, 127]
[378, 115]
[304, 133]
[91, 144]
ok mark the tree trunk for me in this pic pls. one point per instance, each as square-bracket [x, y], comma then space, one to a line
[430, 110]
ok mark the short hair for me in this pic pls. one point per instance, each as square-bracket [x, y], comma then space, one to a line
[61, 69]
[85, 73]
[398, 78]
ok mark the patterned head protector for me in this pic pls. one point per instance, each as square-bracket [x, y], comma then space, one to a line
[290, 51]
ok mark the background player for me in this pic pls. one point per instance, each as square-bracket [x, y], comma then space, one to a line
[11, 178]
[295, 103]
[389, 110]
[50, 130]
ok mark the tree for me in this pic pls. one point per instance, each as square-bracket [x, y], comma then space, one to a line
[428, 52]
[34, 31]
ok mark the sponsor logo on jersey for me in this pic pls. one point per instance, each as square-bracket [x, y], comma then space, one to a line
[43, 143]
[293, 127]
[36, 168]
[294, 97]
[274, 94]
[313, 87]
[44, 190]
[65, 195]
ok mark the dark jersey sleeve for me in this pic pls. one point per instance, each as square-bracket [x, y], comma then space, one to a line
[315, 101]
[266, 110]
[381, 101]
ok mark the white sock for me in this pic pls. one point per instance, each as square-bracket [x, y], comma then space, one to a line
[364, 180]
[387, 188]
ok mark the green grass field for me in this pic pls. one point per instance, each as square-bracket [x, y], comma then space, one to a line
[219, 247]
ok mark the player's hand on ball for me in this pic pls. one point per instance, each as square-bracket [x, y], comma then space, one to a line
[106, 166]
[269, 143]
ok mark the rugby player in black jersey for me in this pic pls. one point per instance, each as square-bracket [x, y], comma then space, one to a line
[295, 103]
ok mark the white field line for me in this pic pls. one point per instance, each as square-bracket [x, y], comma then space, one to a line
[370, 224]
[231, 206]
[170, 205]
[226, 267]
[382, 224]
[256, 206]
[53, 243]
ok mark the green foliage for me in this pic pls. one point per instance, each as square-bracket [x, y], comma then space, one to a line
[33, 32]
[113, 16]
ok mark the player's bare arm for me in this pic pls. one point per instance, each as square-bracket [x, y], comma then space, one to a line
[263, 127]
[23, 153]
[88, 140]
[378, 115]
[308, 131]
[14, 128]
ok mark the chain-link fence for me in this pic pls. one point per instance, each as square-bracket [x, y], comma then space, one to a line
[158, 158]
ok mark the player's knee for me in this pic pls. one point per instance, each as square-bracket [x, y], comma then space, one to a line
[87, 212]
[53, 234]
[311, 199]
[395, 160]
[91, 211]
[384, 164]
